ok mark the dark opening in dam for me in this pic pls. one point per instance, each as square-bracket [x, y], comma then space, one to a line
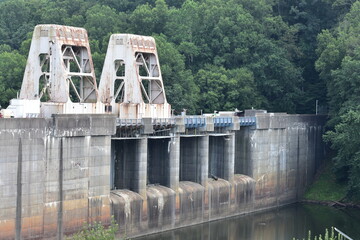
[158, 168]
[126, 157]
[192, 151]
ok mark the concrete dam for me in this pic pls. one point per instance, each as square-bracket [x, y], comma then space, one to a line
[72, 153]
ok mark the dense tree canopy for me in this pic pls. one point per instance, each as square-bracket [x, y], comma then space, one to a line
[339, 66]
[221, 54]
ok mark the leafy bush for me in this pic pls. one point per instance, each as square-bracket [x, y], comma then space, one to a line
[96, 231]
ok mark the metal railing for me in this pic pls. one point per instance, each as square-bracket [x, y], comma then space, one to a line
[128, 122]
[342, 234]
[163, 121]
[139, 122]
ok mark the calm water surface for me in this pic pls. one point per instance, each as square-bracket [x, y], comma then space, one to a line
[280, 224]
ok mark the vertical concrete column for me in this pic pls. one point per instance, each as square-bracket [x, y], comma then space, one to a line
[174, 162]
[203, 156]
[112, 165]
[140, 175]
[229, 157]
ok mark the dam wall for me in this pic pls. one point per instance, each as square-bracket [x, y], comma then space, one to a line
[58, 173]
[281, 154]
[216, 174]
[54, 174]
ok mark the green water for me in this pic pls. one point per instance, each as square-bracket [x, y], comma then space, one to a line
[279, 224]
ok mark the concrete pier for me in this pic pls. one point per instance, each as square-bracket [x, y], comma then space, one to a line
[174, 166]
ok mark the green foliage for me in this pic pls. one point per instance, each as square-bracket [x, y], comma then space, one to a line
[327, 236]
[12, 66]
[5, 48]
[101, 21]
[245, 39]
[346, 140]
[147, 20]
[309, 18]
[222, 89]
[96, 231]
[339, 64]
[181, 90]
[248, 40]
[326, 188]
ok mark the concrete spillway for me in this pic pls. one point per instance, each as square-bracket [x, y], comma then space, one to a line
[185, 179]
[57, 173]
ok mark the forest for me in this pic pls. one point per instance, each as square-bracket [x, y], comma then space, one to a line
[283, 56]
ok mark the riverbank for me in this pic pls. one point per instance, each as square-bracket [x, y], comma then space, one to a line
[325, 187]
[332, 203]
[327, 191]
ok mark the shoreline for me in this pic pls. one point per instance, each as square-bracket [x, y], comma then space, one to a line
[331, 203]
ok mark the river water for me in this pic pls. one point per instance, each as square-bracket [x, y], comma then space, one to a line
[286, 223]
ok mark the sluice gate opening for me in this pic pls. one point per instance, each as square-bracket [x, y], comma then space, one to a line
[243, 165]
[221, 156]
[216, 156]
[158, 167]
[193, 158]
[129, 163]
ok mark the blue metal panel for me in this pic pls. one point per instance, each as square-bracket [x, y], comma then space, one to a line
[194, 122]
[247, 121]
[223, 121]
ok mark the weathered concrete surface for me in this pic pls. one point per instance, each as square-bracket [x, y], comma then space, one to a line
[131, 164]
[54, 174]
[163, 209]
[222, 156]
[256, 168]
[194, 159]
[282, 154]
